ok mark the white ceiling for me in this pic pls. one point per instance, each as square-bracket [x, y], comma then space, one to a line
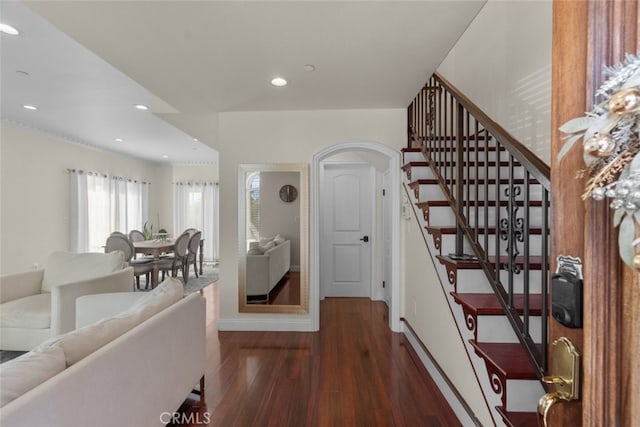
[194, 59]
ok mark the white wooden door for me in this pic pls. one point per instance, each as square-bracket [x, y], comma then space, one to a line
[347, 203]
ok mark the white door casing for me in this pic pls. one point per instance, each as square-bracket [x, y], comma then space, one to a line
[386, 238]
[346, 198]
[393, 194]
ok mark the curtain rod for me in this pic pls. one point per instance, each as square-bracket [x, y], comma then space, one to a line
[118, 178]
[196, 183]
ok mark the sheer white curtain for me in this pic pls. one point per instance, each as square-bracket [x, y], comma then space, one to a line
[196, 206]
[100, 205]
[129, 204]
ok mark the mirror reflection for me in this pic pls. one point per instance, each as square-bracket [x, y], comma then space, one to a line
[272, 228]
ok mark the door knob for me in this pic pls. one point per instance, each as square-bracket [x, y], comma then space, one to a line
[365, 239]
[566, 377]
[545, 404]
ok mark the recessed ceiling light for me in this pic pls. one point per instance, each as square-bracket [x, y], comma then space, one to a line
[141, 107]
[29, 107]
[119, 140]
[278, 81]
[309, 67]
[8, 29]
[196, 139]
[164, 156]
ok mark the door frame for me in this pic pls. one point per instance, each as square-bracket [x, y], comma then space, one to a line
[394, 198]
[586, 36]
[373, 220]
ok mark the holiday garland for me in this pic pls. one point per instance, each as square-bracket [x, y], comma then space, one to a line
[610, 135]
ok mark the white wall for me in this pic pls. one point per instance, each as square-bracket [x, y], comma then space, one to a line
[278, 217]
[503, 64]
[425, 307]
[283, 137]
[35, 192]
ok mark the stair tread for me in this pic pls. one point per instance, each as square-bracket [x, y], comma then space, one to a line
[481, 181]
[478, 164]
[488, 304]
[510, 359]
[466, 149]
[414, 164]
[491, 203]
[481, 230]
[412, 150]
[535, 262]
[518, 419]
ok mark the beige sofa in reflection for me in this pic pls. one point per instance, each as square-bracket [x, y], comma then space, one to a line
[266, 266]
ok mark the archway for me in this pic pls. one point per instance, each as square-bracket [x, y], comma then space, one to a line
[393, 157]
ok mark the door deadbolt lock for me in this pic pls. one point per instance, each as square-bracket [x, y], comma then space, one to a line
[365, 239]
[565, 378]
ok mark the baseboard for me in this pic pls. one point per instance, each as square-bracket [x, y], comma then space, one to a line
[446, 387]
[293, 325]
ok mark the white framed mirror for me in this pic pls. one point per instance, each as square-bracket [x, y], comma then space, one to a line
[273, 250]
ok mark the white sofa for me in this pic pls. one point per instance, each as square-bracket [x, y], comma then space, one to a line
[265, 270]
[37, 305]
[138, 378]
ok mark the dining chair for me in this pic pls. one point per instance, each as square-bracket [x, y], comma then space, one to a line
[194, 244]
[117, 233]
[136, 236]
[177, 260]
[120, 242]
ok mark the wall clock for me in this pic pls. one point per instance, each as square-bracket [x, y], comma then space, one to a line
[288, 193]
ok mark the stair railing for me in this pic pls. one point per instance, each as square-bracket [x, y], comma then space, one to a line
[458, 140]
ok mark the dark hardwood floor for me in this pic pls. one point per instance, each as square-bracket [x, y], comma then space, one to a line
[353, 372]
[287, 292]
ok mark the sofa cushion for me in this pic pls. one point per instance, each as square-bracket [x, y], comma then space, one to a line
[279, 239]
[68, 267]
[268, 246]
[32, 312]
[265, 240]
[25, 372]
[84, 341]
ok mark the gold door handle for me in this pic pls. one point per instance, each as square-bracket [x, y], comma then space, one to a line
[545, 404]
[566, 379]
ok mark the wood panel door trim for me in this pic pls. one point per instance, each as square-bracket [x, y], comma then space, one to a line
[587, 36]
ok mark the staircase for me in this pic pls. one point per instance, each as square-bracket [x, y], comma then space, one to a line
[487, 234]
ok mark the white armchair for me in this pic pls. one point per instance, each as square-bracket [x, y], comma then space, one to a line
[37, 305]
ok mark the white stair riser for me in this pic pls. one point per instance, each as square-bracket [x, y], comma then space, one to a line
[497, 329]
[413, 157]
[419, 156]
[448, 245]
[421, 173]
[428, 191]
[535, 281]
[443, 216]
[470, 156]
[523, 395]
[474, 281]
[449, 172]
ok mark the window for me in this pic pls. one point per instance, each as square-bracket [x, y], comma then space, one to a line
[196, 206]
[100, 205]
[253, 212]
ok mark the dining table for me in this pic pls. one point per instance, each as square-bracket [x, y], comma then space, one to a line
[155, 248]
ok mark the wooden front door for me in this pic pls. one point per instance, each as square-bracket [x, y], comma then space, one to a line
[588, 35]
